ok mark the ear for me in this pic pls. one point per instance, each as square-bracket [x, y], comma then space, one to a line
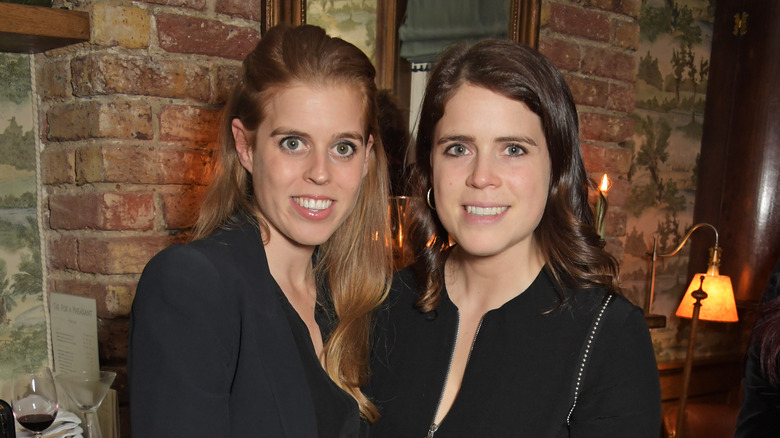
[369, 145]
[246, 151]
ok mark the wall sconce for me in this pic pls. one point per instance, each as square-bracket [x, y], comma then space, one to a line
[720, 306]
[601, 205]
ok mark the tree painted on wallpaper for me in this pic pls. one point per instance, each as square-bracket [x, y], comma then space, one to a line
[674, 53]
[22, 321]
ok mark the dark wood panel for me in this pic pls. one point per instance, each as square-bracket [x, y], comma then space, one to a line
[739, 171]
[31, 29]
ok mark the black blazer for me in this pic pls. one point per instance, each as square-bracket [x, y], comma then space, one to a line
[211, 351]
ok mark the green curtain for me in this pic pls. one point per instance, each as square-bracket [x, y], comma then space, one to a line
[431, 25]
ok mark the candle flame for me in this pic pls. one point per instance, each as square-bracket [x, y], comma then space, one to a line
[604, 184]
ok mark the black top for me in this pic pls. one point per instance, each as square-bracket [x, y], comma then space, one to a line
[214, 352]
[522, 374]
[337, 412]
[759, 416]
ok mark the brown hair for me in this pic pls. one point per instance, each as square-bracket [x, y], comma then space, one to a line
[356, 270]
[566, 235]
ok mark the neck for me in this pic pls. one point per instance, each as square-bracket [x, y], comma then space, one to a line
[487, 283]
[291, 266]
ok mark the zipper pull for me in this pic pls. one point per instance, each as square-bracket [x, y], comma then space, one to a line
[432, 430]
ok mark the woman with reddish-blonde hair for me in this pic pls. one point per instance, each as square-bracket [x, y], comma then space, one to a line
[260, 326]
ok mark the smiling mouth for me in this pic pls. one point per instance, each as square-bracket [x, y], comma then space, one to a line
[485, 211]
[313, 204]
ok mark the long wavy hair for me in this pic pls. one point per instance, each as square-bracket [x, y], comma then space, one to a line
[354, 264]
[566, 234]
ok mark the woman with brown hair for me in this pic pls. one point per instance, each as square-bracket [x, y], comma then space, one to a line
[510, 322]
[260, 326]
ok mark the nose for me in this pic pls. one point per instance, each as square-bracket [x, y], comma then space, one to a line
[318, 168]
[483, 173]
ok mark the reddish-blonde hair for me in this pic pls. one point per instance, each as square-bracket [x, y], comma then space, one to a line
[354, 264]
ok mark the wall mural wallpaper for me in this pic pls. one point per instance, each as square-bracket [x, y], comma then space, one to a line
[674, 59]
[22, 321]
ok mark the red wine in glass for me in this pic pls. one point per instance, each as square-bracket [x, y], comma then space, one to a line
[35, 400]
[36, 422]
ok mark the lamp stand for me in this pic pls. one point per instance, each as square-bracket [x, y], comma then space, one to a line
[699, 295]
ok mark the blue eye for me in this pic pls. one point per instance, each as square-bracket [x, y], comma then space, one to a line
[344, 149]
[514, 150]
[456, 150]
[291, 143]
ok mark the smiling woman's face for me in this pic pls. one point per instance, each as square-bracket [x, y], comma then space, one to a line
[491, 172]
[308, 161]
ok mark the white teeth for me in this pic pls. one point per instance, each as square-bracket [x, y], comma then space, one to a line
[484, 211]
[314, 204]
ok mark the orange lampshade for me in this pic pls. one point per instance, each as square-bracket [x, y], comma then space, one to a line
[719, 304]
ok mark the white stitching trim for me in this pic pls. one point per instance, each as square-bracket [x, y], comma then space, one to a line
[585, 356]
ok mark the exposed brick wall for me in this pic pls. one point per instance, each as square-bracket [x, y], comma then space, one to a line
[129, 124]
[594, 42]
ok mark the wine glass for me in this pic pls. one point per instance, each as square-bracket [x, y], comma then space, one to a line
[87, 390]
[34, 400]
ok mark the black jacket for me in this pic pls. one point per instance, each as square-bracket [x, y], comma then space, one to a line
[211, 350]
[522, 374]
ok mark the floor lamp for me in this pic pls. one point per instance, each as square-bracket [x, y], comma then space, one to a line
[720, 306]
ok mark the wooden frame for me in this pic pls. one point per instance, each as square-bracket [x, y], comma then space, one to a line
[523, 28]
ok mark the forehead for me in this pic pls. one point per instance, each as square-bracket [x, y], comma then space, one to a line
[475, 108]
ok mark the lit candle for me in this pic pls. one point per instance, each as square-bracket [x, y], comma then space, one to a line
[601, 206]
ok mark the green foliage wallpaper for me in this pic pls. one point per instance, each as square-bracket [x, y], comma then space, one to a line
[22, 321]
[674, 59]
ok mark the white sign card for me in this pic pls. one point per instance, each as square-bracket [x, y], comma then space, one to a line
[74, 333]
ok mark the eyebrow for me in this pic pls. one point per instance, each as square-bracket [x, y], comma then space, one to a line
[341, 135]
[469, 139]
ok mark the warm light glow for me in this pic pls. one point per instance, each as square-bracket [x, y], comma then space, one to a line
[719, 304]
[605, 184]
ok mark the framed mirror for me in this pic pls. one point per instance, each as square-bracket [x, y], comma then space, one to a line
[523, 27]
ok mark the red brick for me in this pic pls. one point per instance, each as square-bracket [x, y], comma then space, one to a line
[588, 91]
[185, 166]
[85, 120]
[249, 9]
[102, 211]
[575, 21]
[63, 251]
[608, 63]
[625, 7]
[128, 211]
[621, 97]
[142, 165]
[603, 127]
[52, 77]
[564, 54]
[198, 5]
[74, 212]
[57, 165]
[600, 159]
[120, 255]
[189, 123]
[112, 339]
[625, 34]
[185, 34]
[118, 163]
[108, 74]
[181, 205]
[227, 76]
[113, 297]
